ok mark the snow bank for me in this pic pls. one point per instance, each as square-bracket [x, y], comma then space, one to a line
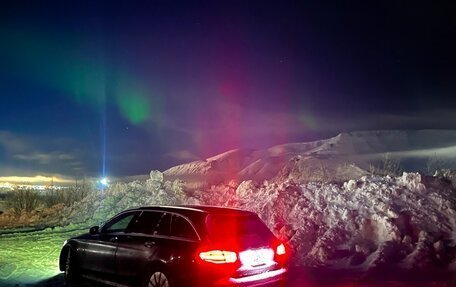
[103, 204]
[367, 223]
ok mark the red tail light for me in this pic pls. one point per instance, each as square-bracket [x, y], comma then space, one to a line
[280, 250]
[218, 256]
[281, 253]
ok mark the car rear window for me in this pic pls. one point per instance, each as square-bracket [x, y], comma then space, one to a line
[180, 227]
[246, 228]
[164, 225]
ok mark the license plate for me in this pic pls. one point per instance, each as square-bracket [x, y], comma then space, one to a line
[257, 257]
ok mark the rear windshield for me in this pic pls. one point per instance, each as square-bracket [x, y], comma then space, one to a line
[246, 228]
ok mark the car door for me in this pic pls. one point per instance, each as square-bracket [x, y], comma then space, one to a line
[99, 253]
[137, 246]
[180, 249]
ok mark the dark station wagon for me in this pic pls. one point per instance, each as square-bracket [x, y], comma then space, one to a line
[168, 246]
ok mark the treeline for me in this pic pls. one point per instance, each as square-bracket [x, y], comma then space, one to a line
[26, 199]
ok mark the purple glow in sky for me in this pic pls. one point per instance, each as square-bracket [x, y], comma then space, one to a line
[166, 82]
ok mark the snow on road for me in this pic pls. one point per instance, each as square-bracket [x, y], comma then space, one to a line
[32, 256]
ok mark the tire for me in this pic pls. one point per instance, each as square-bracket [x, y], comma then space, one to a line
[71, 272]
[158, 278]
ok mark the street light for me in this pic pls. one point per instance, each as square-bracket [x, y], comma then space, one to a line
[104, 182]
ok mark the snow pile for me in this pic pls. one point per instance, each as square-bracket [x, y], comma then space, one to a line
[364, 224]
[373, 222]
[100, 206]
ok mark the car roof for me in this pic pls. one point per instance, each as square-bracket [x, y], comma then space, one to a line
[196, 213]
[220, 210]
[192, 209]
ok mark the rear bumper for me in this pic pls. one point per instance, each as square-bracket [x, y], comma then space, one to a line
[270, 278]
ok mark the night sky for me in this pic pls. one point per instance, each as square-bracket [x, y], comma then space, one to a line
[105, 87]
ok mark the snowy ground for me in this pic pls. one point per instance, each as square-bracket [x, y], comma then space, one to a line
[31, 256]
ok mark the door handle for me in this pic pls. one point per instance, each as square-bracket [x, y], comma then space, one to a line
[149, 244]
[114, 239]
[175, 258]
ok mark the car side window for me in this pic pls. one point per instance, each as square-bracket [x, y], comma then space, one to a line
[164, 225]
[119, 223]
[180, 227]
[147, 222]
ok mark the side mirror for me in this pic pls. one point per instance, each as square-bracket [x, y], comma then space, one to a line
[94, 230]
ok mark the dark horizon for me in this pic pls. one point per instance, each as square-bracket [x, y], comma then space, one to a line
[94, 88]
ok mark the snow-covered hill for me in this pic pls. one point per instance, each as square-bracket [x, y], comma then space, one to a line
[345, 156]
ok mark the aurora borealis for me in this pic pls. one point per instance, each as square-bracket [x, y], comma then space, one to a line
[134, 87]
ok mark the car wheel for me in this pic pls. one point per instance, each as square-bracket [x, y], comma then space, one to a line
[71, 273]
[158, 279]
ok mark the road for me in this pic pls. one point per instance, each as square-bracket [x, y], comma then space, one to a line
[301, 278]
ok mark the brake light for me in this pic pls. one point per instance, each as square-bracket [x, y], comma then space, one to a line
[280, 250]
[218, 256]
